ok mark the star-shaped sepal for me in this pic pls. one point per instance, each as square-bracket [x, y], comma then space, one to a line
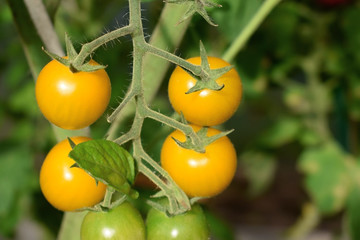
[205, 140]
[196, 6]
[69, 60]
[207, 78]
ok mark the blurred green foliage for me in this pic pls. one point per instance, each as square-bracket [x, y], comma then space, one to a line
[301, 77]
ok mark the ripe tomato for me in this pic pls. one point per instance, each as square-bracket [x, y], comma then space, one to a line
[187, 226]
[67, 188]
[206, 107]
[200, 174]
[72, 100]
[121, 223]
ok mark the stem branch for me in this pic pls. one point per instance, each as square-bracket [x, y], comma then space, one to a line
[90, 47]
[195, 69]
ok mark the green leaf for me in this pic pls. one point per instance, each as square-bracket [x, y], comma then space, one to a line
[259, 169]
[17, 178]
[107, 162]
[23, 100]
[353, 213]
[219, 228]
[296, 97]
[281, 132]
[352, 35]
[326, 177]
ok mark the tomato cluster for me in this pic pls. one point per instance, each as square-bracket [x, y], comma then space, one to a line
[202, 174]
[74, 100]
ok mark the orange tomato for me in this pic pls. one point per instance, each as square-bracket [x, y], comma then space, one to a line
[68, 188]
[200, 174]
[72, 100]
[206, 107]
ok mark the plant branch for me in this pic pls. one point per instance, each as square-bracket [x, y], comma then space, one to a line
[90, 47]
[108, 196]
[185, 128]
[128, 97]
[178, 201]
[195, 69]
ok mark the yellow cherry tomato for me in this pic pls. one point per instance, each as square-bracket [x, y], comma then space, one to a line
[68, 188]
[200, 174]
[206, 107]
[72, 100]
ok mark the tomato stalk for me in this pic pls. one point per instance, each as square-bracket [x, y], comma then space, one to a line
[90, 47]
[108, 196]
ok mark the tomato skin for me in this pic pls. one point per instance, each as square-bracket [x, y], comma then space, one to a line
[72, 100]
[121, 223]
[66, 188]
[191, 225]
[200, 174]
[206, 107]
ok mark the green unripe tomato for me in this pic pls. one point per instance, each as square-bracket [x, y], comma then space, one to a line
[121, 223]
[191, 225]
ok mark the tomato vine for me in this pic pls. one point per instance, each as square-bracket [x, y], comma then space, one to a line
[178, 200]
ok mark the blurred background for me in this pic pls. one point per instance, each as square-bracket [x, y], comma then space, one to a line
[296, 131]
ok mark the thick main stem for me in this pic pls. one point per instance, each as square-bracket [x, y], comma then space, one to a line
[174, 193]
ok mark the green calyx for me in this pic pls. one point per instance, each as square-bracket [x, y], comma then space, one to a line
[205, 140]
[207, 78]
[196, 6]
[72, 60]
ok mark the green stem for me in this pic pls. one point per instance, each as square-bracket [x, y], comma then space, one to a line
[195, 69]
[173, 192]
[178, 201]
[134, 131]
[310, 218]
[250, 28]
[185, 128]
[90, 47]
[128, 97]
[108, 196]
